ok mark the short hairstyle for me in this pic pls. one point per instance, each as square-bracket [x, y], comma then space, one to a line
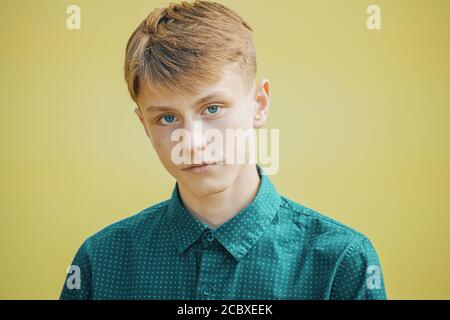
[181, 47]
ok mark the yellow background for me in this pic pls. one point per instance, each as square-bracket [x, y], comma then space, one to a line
[363, 118]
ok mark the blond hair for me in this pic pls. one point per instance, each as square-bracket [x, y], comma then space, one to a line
[184, 46]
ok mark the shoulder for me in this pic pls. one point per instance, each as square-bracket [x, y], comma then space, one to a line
[128, 230]
[321, 234]
[317, 223]
[347, 254]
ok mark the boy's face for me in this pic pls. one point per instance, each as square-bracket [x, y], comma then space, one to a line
[229, 106]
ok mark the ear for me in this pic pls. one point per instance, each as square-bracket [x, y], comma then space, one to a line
[262, 99]
[141, 118]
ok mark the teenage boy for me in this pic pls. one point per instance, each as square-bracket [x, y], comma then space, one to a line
[225, 232]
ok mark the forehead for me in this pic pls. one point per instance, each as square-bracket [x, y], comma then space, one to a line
[229, 86]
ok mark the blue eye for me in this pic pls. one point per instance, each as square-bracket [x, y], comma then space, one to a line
[213, 109]
[167, 119]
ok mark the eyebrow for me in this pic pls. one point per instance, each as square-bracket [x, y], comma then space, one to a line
[214, 95]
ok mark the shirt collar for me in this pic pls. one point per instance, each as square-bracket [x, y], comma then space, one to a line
[237, 235]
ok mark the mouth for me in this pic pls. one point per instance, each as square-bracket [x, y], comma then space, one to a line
[201, 167]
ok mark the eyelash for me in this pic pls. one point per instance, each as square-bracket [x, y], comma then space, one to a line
[168, 114]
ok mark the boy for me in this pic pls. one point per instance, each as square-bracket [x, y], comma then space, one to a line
[225, 233]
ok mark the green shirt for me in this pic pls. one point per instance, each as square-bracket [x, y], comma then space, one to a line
[273, 249]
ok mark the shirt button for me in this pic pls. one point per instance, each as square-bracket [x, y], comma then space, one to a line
[209, 236]
[207, 291]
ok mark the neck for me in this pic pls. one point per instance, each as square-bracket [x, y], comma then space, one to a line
[217, 208]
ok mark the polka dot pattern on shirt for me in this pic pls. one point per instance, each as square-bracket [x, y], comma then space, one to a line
[273, 249]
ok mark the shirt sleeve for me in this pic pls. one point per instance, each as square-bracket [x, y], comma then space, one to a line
[359, 275]
[77, 285]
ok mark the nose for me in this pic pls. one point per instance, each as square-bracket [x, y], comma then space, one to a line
[197, 142]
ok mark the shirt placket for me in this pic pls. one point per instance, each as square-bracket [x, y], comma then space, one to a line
[211, 260]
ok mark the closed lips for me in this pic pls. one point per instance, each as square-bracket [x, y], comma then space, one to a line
[200, 165]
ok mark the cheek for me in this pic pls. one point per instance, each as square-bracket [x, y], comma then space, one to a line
[161, 141]
[244, 115]
[237, 117]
